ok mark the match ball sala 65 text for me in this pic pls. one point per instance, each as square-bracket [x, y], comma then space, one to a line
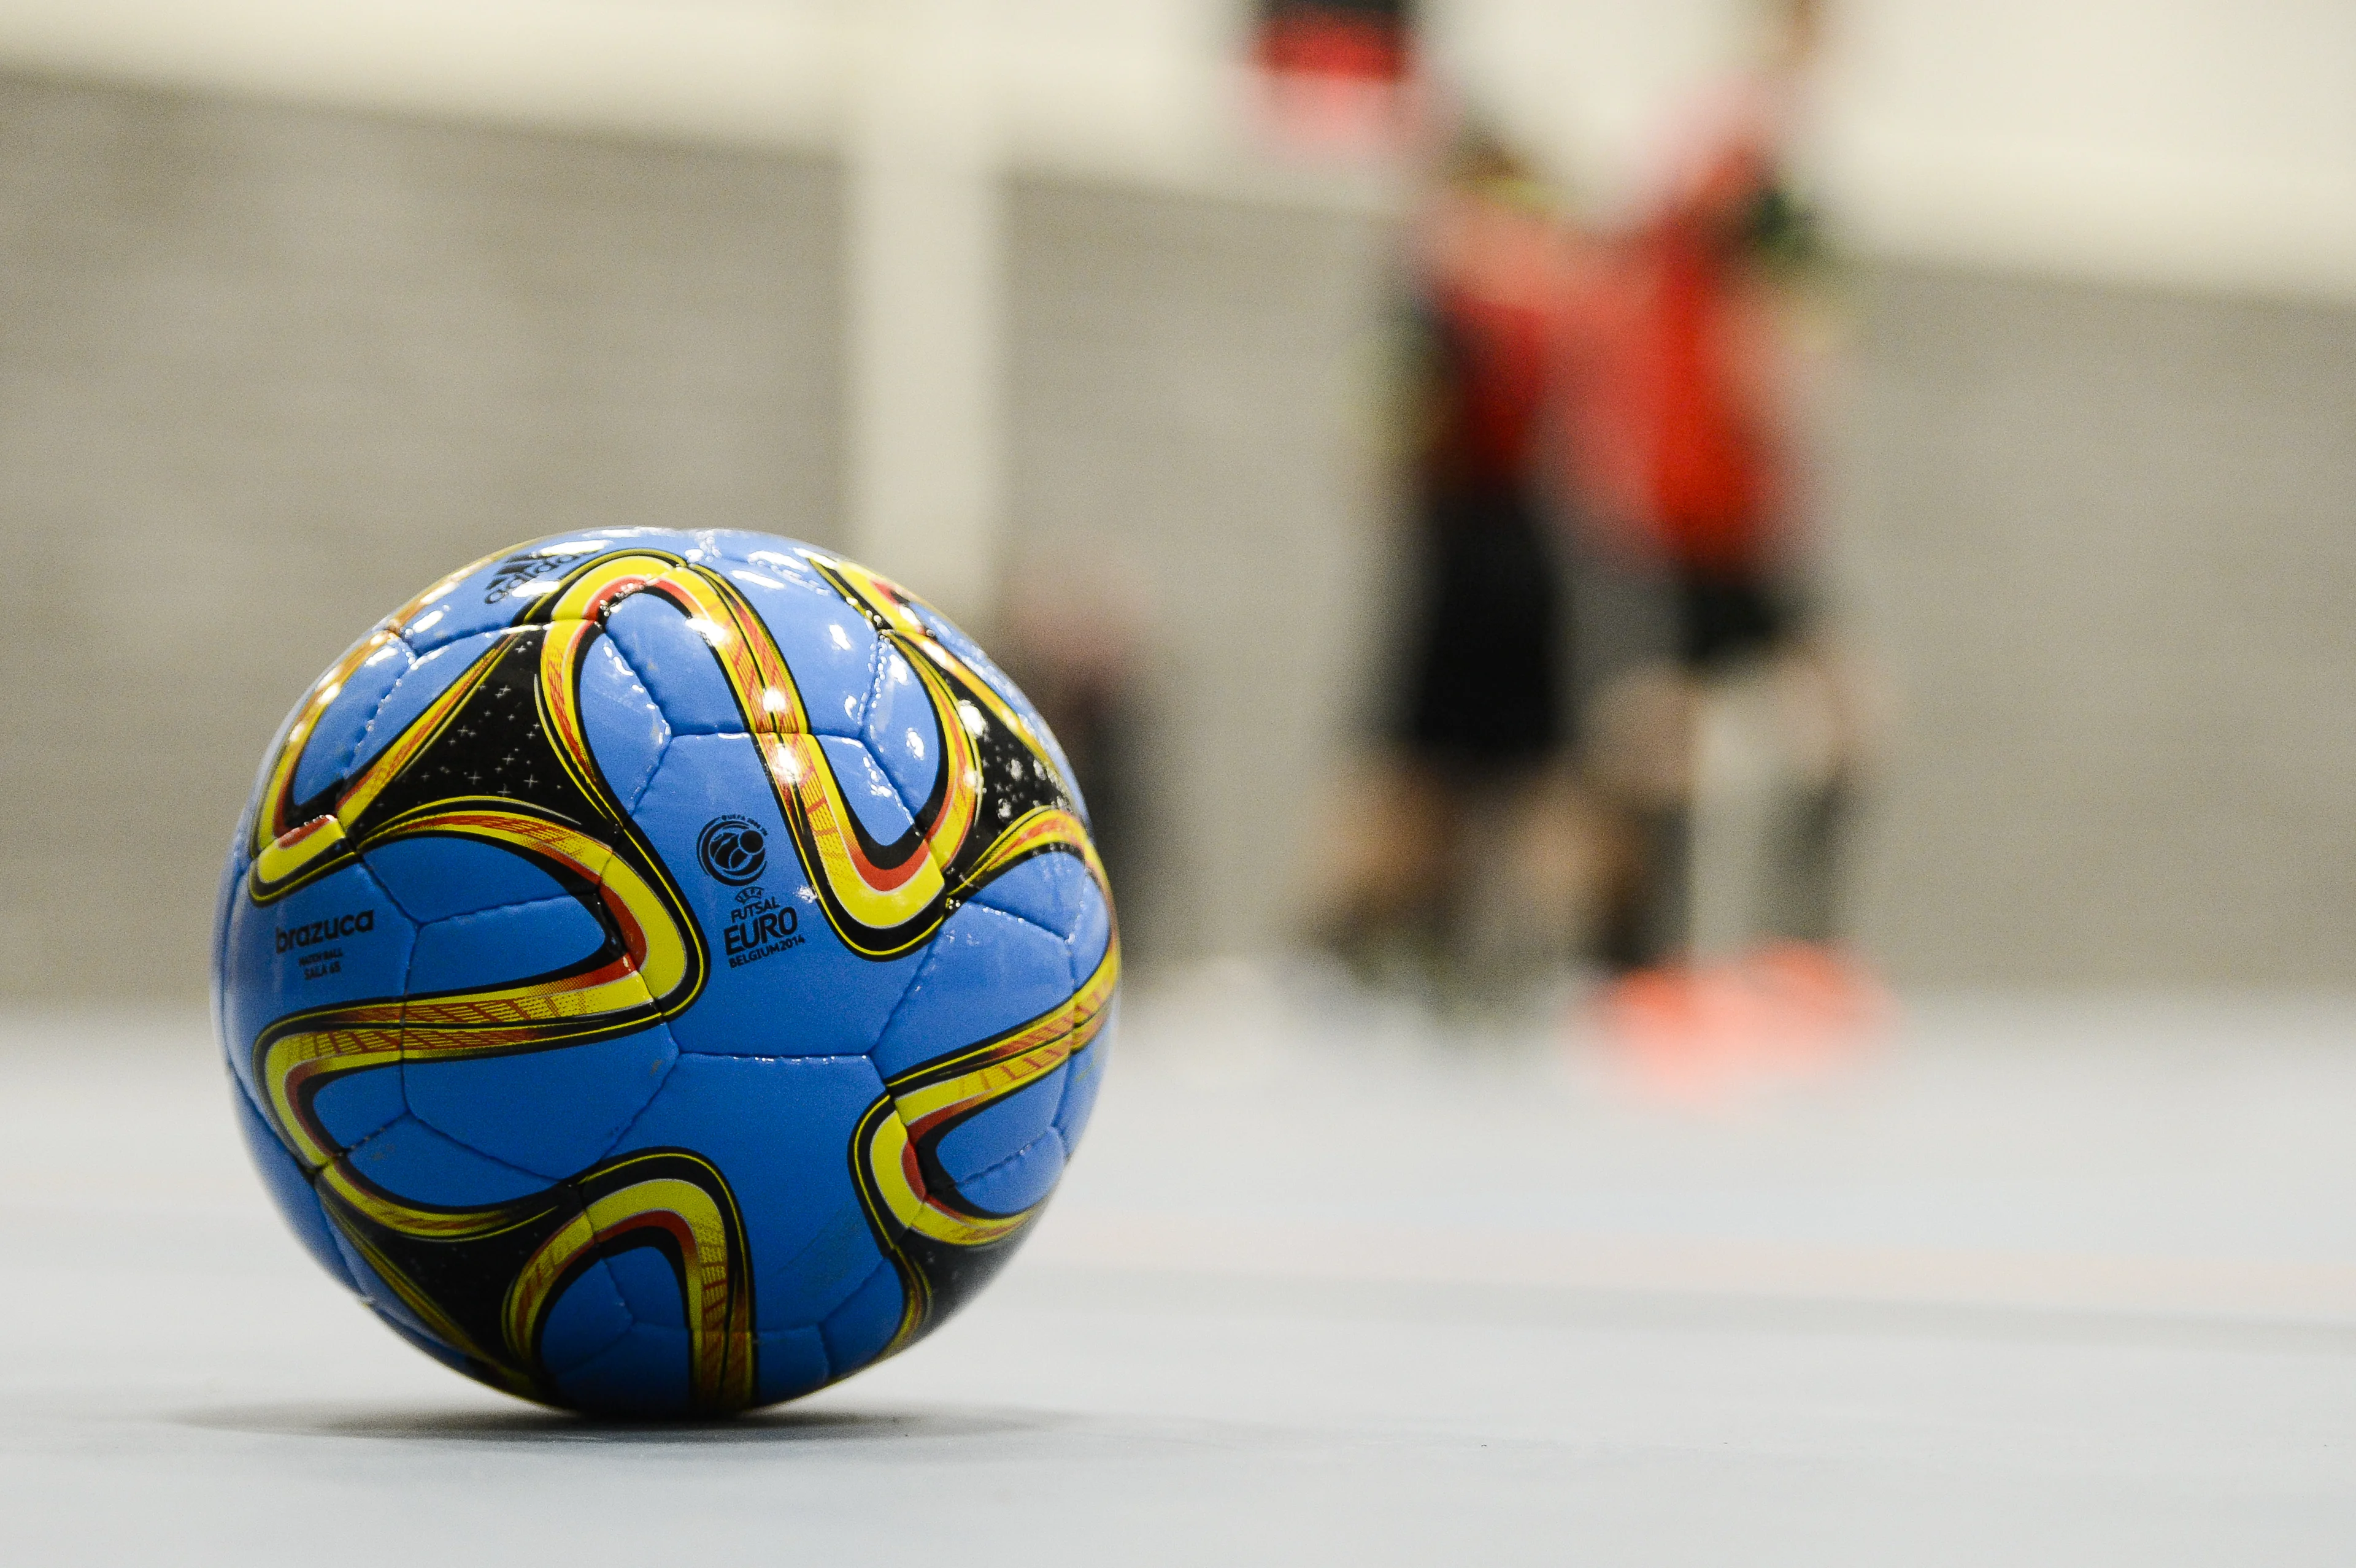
[662, 972]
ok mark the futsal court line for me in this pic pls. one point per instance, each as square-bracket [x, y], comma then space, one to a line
[2319, 1295]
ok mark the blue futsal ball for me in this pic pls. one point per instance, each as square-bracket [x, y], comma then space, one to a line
[663, 973]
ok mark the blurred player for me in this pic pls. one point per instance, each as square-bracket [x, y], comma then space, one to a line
[1731, 755]
[1465, 841]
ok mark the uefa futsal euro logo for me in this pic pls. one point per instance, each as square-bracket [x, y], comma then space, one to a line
[731, 849]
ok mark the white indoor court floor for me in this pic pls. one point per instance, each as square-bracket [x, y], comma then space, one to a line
[2029, 1281]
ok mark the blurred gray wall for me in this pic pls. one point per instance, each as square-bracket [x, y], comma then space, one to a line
[1189, 385]
[266, 371]
[2106, 542]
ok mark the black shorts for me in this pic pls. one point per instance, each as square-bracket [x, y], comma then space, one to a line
[1485, 685]
[1724, 618]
